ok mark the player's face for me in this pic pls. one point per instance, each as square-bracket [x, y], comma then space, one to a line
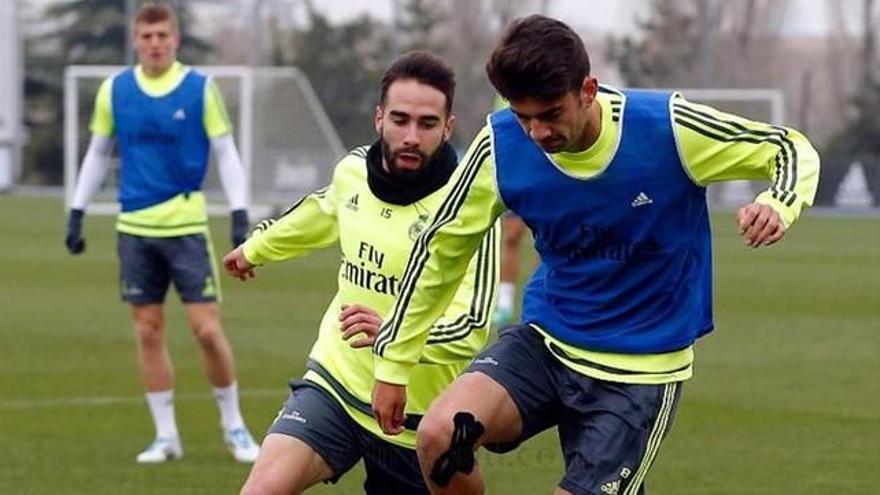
[560, 124]
[412, 124]
[156, 44]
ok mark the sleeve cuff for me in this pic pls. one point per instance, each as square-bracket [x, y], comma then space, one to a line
[788, 214]
[249, 250]
[392, 372]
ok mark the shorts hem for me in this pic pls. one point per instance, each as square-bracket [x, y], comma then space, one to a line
[190, 300]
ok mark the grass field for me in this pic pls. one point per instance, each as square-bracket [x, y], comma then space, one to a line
[786, 397]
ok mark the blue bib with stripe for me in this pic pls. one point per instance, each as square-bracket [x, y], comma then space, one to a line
[162, 141]
[626, 256]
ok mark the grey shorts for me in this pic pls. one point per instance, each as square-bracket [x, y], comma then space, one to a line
[312, 415]
[609, 432]
[148, 265]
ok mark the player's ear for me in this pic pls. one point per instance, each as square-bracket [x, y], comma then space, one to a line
[449, 127]
[378, 120]
[588, 91]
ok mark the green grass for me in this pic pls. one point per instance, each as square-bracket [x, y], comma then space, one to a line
[786, 397]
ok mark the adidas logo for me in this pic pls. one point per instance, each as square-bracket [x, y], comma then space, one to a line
[179, 115]
[641, 200]
[352, 203]
[611, 488]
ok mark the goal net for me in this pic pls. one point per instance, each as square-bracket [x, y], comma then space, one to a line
[765, 105]
[287, 144]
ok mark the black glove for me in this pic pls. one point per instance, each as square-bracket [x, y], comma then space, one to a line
[240, 226]
[74, 240]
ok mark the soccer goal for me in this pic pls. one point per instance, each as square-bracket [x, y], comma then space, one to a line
[766, 105]
[287, 143]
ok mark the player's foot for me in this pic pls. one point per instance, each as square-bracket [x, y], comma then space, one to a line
[502, 318]
[241, 445]
[161, 450]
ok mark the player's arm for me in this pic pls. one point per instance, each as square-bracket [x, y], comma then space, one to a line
[437, 264]
[307, 225]
[461, 332]
[93, 169]
[718, 146]
[218, 128]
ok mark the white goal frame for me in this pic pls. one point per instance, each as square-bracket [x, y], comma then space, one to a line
[244, 128]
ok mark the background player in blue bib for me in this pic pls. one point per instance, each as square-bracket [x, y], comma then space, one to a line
[166, 118]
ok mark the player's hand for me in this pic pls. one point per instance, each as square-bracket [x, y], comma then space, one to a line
[73, 239]
[239, 227]
[389, 401]
[238, 266]
[759, 225]
[356, 319]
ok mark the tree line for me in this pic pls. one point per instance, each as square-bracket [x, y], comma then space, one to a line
[676, 43]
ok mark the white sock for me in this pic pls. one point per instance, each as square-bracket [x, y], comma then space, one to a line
[506, 295]
[162, 409]
[227, 402]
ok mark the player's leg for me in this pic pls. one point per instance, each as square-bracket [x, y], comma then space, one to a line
[157, 376]
[473, 410]
[217, 360]
[505, 397]
[194, 274]
[220, 369]
[612, 432]
[512, 230]
[311, 441]
[155, 363]
[143, 283]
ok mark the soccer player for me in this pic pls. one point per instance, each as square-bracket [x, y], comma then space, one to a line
[166, 117]
[613, 186]
[380, 199]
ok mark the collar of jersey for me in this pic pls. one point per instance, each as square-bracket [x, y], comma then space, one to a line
[162, 84]
[405, 191]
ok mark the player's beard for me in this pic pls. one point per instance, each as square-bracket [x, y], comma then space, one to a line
[390, 158]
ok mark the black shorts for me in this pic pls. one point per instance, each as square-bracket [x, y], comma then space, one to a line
[609, 432]
[312, 415]
[148, 265]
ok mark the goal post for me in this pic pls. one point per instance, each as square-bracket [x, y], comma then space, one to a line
[286, 141]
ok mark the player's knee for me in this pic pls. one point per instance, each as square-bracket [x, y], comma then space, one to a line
[150, 334]
[433, 435]
[208, 335]
[446, 445]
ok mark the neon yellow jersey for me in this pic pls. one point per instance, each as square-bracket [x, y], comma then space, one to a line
[713, 146]
[183, 214]
[375, 239]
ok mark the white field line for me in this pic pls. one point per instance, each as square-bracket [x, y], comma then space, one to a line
[20, 404]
